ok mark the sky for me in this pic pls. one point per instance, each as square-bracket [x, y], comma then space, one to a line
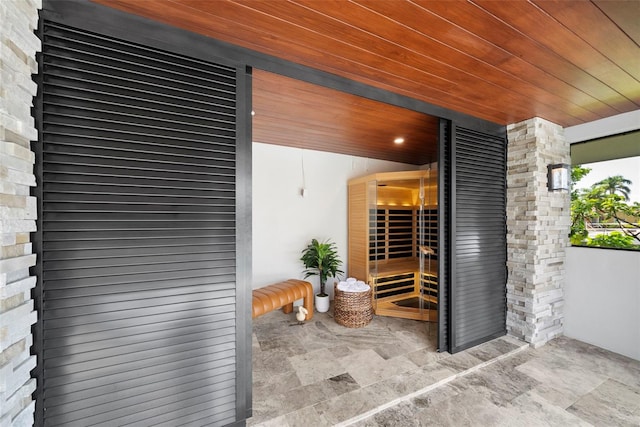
[629, 168]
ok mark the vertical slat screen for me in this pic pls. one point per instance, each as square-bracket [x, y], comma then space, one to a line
[478, 288]
[138, 234]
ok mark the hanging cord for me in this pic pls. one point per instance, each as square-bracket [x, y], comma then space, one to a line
[304, 184]
[304, 181]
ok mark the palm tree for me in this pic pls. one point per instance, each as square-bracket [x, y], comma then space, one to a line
[615, 184]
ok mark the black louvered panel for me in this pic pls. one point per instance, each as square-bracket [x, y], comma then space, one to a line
[138, 234]
[444, 224]
[479, 287]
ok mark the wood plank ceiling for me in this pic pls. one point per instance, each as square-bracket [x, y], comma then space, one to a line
[298, 114]
[568, 61]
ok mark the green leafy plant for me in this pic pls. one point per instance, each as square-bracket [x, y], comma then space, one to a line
[605, 205]
[321, 259]
[615, 239]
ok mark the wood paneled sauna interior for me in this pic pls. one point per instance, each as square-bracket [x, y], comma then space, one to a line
[393, 223]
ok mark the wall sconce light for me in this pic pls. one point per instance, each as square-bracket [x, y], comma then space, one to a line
[558, 178]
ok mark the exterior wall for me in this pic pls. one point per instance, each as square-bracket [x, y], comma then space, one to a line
[18, 47]
[538, 224]
[602, 295]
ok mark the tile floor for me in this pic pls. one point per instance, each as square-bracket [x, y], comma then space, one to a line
[388, 374]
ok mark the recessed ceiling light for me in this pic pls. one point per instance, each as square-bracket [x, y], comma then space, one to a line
[399, 140]
[253, 113]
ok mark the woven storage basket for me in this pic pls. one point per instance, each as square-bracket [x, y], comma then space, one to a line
[352, 309]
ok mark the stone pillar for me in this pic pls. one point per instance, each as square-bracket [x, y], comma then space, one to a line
[538, 223]
[18, 47]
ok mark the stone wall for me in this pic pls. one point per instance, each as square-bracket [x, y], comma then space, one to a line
[18, 47]
[538, 224]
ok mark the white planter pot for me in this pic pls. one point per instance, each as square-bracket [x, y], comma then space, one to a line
[322, 304]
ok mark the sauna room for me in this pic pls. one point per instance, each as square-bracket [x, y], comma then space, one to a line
[375, 198]
[393, 225]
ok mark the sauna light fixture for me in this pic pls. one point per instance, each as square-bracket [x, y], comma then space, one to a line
[558, 178]
[398, 140]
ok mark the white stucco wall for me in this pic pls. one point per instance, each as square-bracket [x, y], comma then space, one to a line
[602, 299]
[284, 222]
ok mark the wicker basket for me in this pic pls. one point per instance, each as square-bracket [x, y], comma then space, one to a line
[352, 309]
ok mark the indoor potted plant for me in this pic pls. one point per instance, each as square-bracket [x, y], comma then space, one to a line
[321, 259]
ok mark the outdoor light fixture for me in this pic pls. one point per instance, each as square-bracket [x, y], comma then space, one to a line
[558, 178]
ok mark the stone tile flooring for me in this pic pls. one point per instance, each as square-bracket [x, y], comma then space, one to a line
[388, 374]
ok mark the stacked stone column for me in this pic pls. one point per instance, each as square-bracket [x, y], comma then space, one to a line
[538, 223]
[18, 47]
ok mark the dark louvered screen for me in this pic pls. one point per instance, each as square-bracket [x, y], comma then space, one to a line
[444, 197]
[478, 288]
[138, 234]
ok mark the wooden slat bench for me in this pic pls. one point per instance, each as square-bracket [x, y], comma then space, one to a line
[283, 295]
